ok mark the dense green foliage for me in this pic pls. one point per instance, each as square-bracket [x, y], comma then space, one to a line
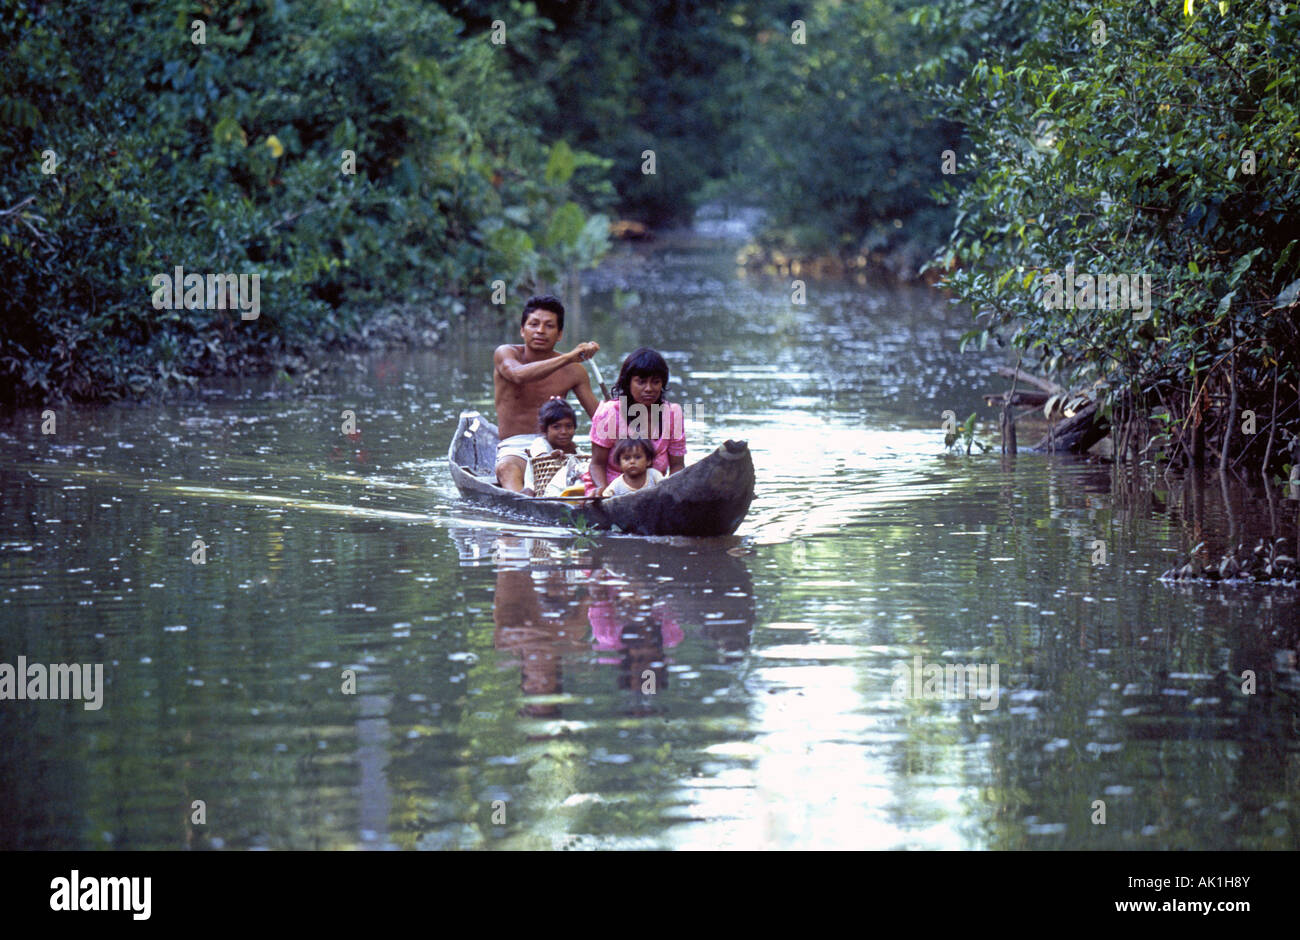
[842, 158]
[487, 144]
[780, 105]
[1126, 153]
[229, 156]
[620, 77]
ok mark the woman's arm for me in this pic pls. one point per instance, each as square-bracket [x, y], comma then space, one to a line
[677, 442]
[599, 456]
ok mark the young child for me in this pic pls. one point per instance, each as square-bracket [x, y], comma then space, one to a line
[634, 455]
[638, 409]
[557, 424]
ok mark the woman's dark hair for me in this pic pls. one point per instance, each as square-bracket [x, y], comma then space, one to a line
[644, 363]
[552, 411]
[544, 302]
[630, 443]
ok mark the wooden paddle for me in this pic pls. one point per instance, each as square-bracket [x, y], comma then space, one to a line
[600, 380]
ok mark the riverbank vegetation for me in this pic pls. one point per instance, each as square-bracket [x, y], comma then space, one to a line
[1118, 140]
[354, 157]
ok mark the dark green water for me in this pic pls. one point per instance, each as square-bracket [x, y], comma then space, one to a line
[500, 670]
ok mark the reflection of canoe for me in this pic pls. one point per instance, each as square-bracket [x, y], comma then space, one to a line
[675, 574]
[710, 497]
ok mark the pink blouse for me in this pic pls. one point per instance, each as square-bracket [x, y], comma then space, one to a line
[664, 425]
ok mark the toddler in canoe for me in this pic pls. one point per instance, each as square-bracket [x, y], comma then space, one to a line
[634, 456]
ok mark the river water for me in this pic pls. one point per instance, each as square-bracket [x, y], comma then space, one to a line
[363, 661]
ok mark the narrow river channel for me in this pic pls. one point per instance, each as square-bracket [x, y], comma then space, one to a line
[524, 687]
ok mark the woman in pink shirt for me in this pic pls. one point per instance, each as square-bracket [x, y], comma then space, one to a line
[637, 409]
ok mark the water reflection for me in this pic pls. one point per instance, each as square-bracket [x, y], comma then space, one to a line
[622, 604]
[537, 622]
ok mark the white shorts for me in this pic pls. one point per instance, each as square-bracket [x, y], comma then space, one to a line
[515, 446]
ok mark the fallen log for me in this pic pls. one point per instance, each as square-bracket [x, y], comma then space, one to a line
[1034, 399]
[1076, 434]
[1073, 435]
[1046, 385]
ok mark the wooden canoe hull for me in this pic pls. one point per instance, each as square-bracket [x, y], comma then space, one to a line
[708, 498]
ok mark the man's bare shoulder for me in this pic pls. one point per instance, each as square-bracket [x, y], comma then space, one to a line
[576, 372]
[506, 351]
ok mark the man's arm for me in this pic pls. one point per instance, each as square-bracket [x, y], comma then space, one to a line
[586, 397]
[506, 360]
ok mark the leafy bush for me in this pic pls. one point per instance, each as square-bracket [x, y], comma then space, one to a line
[230, 156]
[1155, 137]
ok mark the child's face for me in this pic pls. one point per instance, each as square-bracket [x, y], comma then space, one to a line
[560, 434]
[632, 462]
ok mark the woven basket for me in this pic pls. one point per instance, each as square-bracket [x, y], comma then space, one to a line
[546, 467]
[543, 469]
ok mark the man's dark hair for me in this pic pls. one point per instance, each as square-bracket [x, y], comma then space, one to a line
[552, 411]
[632, 443]
[642, 363]
[544, 302]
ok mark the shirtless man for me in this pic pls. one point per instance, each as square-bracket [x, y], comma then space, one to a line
[526, 376]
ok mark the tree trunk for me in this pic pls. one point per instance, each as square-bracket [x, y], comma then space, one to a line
[1008, 422]
[1075, 434]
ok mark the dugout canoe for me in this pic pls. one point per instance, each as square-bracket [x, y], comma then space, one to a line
[710, 497]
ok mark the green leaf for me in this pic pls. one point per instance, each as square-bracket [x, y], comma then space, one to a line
[593, 241]
[516, 214]
[1242, 265]
[565, 227]
[1225, 302]
[561, 164]
[1288, 296]
[345, 135]
[228, 131]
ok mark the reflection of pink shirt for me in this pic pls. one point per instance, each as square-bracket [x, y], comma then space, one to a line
[666, 418]
[607, 626]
